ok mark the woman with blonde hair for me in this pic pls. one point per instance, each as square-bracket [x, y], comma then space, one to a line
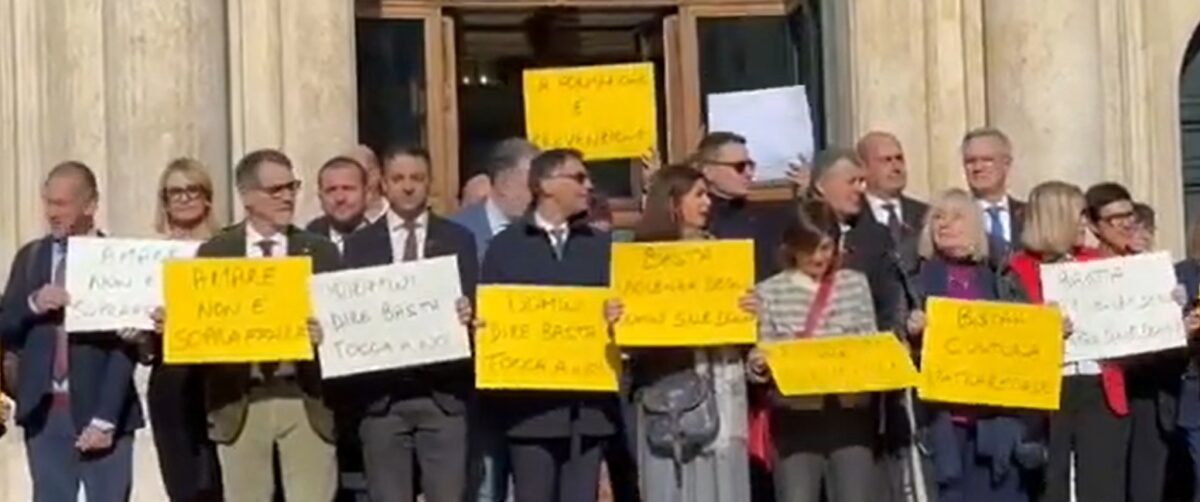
[955, 255]
[1093, 399]
[186, 458]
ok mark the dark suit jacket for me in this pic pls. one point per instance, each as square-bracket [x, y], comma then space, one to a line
[522, 254]
[869, 249]
[101, 374]
[912, 212]
[1017, 221]
[319, 226]
[227, 385]
[449, 383]
[475, 219]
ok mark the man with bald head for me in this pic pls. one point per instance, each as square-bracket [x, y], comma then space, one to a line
[887, 176]
[377, 205]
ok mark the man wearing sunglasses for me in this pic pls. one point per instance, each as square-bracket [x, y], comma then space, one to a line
[725, 161]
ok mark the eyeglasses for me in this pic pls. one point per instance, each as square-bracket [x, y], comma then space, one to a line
[740, 166]
[1124, 217]
[580, 177]
[184, 193]
[289, 188]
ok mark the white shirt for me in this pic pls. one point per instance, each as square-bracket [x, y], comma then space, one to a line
[339, 238]
[253, 238]
[880, 212]
[550, 229]
[400, 234]
[1005, 216]
[497, 220]
[1081, 368]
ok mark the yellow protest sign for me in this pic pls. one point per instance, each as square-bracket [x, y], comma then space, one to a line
[840, 364]
[606, 112]
[992, 353]
[544, 338]
[684, 293]
[236, 310]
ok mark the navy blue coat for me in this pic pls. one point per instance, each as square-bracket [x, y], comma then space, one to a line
[101, 374]
[522, 254]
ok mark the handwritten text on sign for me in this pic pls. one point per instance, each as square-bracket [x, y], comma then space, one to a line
[236, 310]
[992, 353]
[544, 338]
[1118, 307]
[117, 283]
[606, 112]
[390, 317]
[684, 293]
[840, 365]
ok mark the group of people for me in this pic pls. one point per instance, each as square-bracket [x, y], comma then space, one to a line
[853, 255]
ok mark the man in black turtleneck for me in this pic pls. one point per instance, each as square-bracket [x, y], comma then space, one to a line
[726, 164]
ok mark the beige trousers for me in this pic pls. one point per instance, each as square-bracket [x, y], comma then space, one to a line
[308, 464]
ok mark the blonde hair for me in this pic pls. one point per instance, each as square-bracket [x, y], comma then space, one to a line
[952, 201]
[1053, 219]
[196, 173]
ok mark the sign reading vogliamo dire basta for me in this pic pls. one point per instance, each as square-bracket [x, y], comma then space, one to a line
[389, 317]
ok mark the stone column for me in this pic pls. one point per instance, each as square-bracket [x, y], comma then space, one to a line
[293, 83]
[910, 68]
[166, 96]
[1045, 89]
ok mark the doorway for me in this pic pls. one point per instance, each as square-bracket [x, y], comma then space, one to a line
[495, 47]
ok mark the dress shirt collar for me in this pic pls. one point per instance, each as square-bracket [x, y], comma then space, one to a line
[497, 220]
[396, 223]
[1003, 204]
[548, 227]
[253, 237]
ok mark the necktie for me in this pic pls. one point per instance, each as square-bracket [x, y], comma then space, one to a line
[558, 239]
[62, 345]
[268, 250]
[267, 246]
[410, 241]
[995, 225]
[895, 227]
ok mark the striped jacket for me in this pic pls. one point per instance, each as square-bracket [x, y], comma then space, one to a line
[786, 299]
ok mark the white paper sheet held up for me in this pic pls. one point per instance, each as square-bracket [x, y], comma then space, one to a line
[776, 122]
[1118, 307]
[389, 317]
[116, 283]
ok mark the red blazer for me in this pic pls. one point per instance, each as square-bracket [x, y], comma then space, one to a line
[1027, 266]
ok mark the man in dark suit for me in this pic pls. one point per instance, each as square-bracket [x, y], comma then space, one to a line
[256, 409]
[556, 439]
[987, 159]
[418, 412]
[508, 199]
[75, 394]
[725, 161]
[342, 189]
[887, 176]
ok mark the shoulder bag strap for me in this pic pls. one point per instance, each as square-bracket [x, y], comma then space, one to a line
[819, 306]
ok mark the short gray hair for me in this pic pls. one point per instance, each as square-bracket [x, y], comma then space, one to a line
[987, 132]
[507, 155]
[955, 200]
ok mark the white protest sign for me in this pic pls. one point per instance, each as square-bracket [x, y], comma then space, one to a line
[776, 123]
[389, 317]
[117, 283]
[1118, 307]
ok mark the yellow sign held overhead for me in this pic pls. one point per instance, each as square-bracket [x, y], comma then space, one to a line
[605, 112]
[840, 365]
[683, 294]
[236, 310]
[545, 338]
[992, 353]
